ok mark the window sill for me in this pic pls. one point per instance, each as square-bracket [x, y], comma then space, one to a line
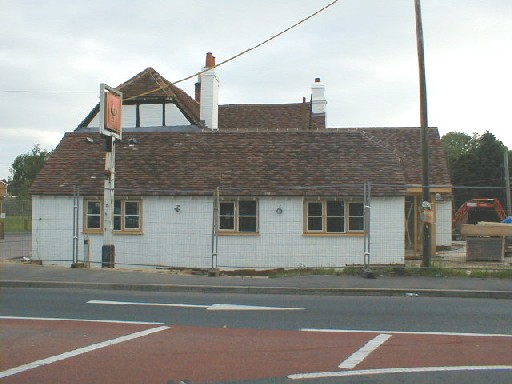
[121, 233]
[325, 234]
[238, 233]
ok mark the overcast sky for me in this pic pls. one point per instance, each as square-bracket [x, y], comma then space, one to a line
[54, 55]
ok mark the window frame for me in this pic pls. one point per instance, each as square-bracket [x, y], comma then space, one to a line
[238, 214]
[346, 218]
[122, 215]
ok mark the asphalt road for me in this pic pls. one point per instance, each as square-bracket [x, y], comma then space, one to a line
[218, 338]
[357, 313]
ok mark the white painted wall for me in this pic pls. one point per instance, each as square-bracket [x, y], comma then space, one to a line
[209, 103]
[444, 223]
[387, 230]
[52, 229]
[184, 238]
[150, 116]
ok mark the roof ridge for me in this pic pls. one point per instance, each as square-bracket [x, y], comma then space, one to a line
[136, 77]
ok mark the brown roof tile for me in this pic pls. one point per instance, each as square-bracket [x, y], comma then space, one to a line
[269, 116]
[302, 163]
[406, 144]
[149, 85]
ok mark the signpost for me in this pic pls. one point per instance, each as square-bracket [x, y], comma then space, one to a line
[111, 104]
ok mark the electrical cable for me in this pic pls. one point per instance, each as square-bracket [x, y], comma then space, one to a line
[240, 53]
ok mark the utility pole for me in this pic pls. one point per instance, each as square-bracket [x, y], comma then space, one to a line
[426, 204]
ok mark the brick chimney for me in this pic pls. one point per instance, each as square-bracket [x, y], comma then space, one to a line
[318, 97]
[209, 94]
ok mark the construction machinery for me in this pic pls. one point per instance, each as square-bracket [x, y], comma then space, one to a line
[476, 210]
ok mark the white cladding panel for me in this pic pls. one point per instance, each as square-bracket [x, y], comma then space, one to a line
[173, 116]
[387, 230]
[151, 115]
[52, 229]
[444, 223]
[183, 238]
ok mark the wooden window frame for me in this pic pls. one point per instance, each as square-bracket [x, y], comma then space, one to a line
[346, 218]
[236, 217]
[124, 229]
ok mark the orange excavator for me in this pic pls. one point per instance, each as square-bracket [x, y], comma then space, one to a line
[475, 210]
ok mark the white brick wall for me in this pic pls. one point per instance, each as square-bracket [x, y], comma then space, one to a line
[444, 223]
[184, 238]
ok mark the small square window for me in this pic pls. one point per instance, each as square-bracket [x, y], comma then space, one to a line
[238, 216]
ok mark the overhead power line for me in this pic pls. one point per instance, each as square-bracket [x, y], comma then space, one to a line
[242, 52]
[165, 86]
[262, 43]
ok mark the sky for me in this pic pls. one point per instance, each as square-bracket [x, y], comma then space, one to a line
[55, 53]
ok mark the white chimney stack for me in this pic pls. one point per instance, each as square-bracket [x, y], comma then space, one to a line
[318, 97]
[209, 95]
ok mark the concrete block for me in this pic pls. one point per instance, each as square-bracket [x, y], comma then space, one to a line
[485, 249]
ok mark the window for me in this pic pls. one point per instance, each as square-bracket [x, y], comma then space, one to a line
[334, 216]
[127, 215]
[93, 215]
[238, 216]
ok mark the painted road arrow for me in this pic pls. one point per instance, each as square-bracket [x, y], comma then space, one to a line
[212, 307]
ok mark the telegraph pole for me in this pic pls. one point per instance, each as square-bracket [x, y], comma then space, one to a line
[426, 204]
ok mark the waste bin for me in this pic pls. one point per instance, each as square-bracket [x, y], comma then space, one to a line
[108, 255]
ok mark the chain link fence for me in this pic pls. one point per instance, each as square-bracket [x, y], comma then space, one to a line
[237, 231]
[15, 229]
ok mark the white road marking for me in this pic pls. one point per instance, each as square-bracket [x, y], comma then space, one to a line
[79, 351]
[408, 332]
[236, 307]
[213, 307]
[108, 302]
[80, 320]
[319, 375]
[358, 356]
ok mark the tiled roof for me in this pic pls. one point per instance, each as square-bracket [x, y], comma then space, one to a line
[406, 144]
[298, 163]
[149, 85]
[269, 116]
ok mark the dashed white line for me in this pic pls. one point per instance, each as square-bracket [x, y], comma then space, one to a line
[79, 351]
[358, 356]
[319, 375]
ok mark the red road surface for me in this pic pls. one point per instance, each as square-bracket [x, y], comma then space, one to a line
[219, 355]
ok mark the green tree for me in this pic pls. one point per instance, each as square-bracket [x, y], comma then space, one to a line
[477, 171]
[456, 144]
[25, 169]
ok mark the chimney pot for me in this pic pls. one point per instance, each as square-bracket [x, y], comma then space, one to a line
[210, 60]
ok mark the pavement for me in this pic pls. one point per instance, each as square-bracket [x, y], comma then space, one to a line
[22, 275]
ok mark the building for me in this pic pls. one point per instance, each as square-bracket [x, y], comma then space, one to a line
[201, 185]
